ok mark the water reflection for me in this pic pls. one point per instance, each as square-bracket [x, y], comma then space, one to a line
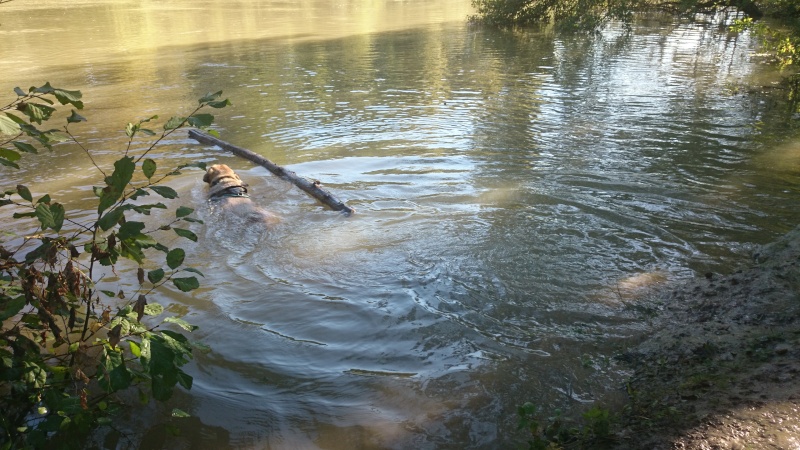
[507, 183]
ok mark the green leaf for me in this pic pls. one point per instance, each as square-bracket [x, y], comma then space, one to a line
[179, 413]
[38, 113]
[183, 211]
[181, 323]
[9, 155]
[200, 165]
[138, 193]
[21, 215]
[209, 97]
[130, 229]
[75, 118]
[145, 241]
[132, 248]
[185, 233]
[34, 375]
[24, 192]
[161, 385]
[145, 209]
[149, 168]
[58, 216]
[220, 104]
[8, 163]
[9, 126]
[50, 216]
[145, 350]
[175, 258]
[69, 97]
[132, 252]
[131, 129]
[10, 307]
[185, 379]
[19, 92]
[154, 276]
[39, 252]
[200, 120]
[196, 345]
[25, 147]
[162, 359]
[116, 183]
[193, 270]
[29, 129]
[173, 123]
[112, 373]
[165, 191]
[112, 217]
[186, 284]
[179, 343]
[135, 349]
[45, 89]
[53, 136]
[33, 321]
[153, 309]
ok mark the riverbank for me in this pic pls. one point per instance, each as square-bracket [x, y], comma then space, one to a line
[722, 370]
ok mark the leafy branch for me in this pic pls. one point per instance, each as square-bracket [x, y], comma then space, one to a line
[64, 352]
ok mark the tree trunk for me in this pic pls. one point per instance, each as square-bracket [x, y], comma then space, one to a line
[311, 188]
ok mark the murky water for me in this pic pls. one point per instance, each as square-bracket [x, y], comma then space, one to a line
[510, 188]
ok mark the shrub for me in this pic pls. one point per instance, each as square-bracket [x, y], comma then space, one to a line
[67, 345]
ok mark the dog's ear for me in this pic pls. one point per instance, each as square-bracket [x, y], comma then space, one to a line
[211, 173]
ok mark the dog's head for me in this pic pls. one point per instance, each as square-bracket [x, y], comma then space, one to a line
[221, 179]
[221, 173]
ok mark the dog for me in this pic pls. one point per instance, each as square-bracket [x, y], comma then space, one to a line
[228, 193]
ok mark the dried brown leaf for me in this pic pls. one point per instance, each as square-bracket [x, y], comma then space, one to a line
[138, 308]
[114, 335]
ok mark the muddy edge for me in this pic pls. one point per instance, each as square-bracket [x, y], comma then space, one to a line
[721, 368]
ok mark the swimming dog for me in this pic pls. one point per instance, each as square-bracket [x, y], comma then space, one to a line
[229, 193]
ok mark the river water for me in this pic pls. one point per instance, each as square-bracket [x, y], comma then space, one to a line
[513, 190]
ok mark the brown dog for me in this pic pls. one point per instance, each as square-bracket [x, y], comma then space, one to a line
[229, 193]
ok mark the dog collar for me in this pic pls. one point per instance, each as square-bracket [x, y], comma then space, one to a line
[233, 191]
[217, 181]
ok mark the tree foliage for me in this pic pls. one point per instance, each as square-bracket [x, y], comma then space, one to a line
[781, 42]
[782, 39]
[68, 343]
[571, 14]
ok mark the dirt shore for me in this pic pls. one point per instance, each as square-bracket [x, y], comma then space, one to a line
[722, 370]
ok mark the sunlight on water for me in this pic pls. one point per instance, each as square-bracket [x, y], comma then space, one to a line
[514, 192]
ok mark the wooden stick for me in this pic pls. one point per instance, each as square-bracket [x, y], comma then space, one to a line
[311, 188]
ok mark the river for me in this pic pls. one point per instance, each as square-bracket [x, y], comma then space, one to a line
[514, 190]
